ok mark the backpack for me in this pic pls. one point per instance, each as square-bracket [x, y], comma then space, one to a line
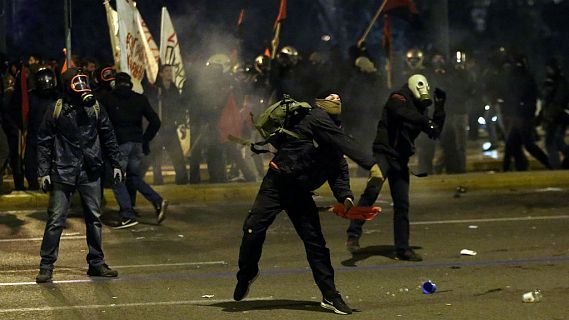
[59, 107]
[273, 122]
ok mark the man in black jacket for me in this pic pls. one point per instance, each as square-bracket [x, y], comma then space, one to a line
[404, 117]
[74, 133]
[126, 110]
[300, 166]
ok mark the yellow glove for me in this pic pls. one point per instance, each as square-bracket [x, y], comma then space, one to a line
[348, 204]
[375, 176]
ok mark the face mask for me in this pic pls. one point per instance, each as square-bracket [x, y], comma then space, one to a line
[80, 86]
[419, 86]
[331, 107]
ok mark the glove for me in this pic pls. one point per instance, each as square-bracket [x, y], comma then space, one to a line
[440, 99]
[118, 175]
[45, 183]
[375, 176]
[145, 148]
[432, 130]
[348, 204]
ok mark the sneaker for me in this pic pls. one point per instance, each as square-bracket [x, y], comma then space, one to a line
[353, 245]
[45, 275]
[102, 271]
[408, 255]
[161, 211]
[242, 288]
[336, 304]
[126, 223]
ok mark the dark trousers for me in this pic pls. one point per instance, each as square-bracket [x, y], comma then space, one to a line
[206, 146]
[125, 192]
[520, 134]
[453, 144]
[277, 194]
[13, 137]
[555, 143]
[31, 162]
[397, 174]
[59, 198]
[166, 139]
[4, 155]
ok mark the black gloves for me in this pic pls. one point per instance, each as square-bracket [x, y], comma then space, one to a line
[145, 148]
[432, 130]
[440, 98]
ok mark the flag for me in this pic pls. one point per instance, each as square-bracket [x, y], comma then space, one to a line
[282, 13]
[152, 53]
[404, 9]
[25, 98]
[132, 55]
[113, 23]
[170, 50]
[387, 46]
[65, 66]
[230, 122]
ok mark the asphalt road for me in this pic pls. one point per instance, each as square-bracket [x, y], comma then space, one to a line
[184, 269]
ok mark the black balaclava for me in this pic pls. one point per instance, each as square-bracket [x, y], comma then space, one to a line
[122, 83]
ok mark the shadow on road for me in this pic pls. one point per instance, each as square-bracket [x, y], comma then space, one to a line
[366, 252]
[282, 304]
[12, 221]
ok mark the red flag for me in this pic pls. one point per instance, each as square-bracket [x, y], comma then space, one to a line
[25, 98]
[282, 13]
[267, 52]
[406, 9]
[65, 66]
[241, 18]
[230, 122]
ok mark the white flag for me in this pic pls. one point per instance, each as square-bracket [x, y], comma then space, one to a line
[170, 50]
[132, 55]
[150, 48]
[112, 21]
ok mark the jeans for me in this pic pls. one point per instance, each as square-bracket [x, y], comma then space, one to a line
[397, 174]
[125, 192]
[59, 198]
[277, 194]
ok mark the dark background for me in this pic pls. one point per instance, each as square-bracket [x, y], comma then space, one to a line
[532, 27]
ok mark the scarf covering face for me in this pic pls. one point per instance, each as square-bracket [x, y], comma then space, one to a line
[331, 107]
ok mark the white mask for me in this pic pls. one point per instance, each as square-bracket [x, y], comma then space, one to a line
[419, 86]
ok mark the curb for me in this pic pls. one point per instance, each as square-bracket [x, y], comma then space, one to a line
[187, 194]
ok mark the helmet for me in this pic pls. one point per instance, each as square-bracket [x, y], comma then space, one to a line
[45, 81]
[288, 56]
[76, 86]
[438, 62]
[414, 58]
[220, 61]
[262, 63]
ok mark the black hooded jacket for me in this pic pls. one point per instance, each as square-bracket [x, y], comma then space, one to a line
[318, 156]
[74, 141]
[402, 120]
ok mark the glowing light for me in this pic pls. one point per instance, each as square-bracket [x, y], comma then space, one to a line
[494, 118]
[481, 120]
[486, 145]
[326, 37]
[486, 107]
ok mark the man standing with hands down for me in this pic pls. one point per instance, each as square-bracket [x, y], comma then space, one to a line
[74, 133]
[310, 152]
[404, 117]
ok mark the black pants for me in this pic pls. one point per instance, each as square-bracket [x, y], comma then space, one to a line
[166, 139]
[31, 162]
[277, 193]
[397, 174]
[520, 135]
[13, 137]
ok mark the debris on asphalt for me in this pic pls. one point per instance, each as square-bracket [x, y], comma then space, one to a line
[140, 238]
[180, 236]
[549, 189]
[532, 296]
[429, 287]
[472, 227]
[448, 304]
[467, 252]
[208, 296]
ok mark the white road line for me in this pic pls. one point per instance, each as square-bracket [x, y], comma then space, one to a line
[199, 263]
[157, 265]
[129, 305]
[526, 218]
[40, 239]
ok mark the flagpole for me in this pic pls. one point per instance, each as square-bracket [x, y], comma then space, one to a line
[67, 13]
[275, 42]
[372, 22]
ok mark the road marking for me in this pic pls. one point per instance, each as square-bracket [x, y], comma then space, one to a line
[176, 264]
[130, 305]
[526, 218]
